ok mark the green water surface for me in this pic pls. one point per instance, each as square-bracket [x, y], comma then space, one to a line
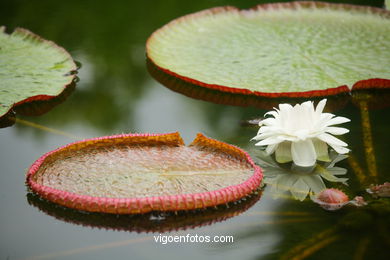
[117, 95]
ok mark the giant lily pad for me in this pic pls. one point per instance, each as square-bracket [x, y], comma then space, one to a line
[299, 49]
[141, 173]
[31, 69]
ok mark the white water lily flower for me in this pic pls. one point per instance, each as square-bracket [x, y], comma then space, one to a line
[301, 133]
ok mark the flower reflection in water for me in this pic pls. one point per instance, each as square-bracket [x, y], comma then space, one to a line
[360, 229]
[299, 181]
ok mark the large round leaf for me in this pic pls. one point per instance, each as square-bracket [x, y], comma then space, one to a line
[140, 173]
[299, 49]
[31, 69]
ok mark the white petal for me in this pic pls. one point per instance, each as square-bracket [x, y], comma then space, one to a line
[337, 120]
[283, 152]
[320, 106]
[307, 104]
[271, 148]
[290, 138]
[323, 119]
[285, 107]
[269, 130]
[264, 129]
[268, 121]
[321, 150]
[268, 141]
[302, 134]
[303, 153]
[331, 140]
[262, 136]
[336, 130]
[303, 118]
[340, 149]
[284, 113]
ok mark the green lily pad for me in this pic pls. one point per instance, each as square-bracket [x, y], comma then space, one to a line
[299, 49]
[31, 69]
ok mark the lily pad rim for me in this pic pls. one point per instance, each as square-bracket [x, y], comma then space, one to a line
[72, 72]
[343, 89]
[152, 203]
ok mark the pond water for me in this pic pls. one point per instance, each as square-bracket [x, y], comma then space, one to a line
[116, 94]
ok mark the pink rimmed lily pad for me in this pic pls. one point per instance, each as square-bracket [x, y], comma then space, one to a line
[138, 173]
[292, 50]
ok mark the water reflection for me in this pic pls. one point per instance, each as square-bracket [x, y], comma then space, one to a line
[112, 96]
[376, 98]
[357, 232]
[360, 232]
[152, 222]
[299, 181]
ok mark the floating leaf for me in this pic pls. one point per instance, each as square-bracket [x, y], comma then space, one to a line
[36, 107]
[31, 69]
[299, 49]
[141, 173]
